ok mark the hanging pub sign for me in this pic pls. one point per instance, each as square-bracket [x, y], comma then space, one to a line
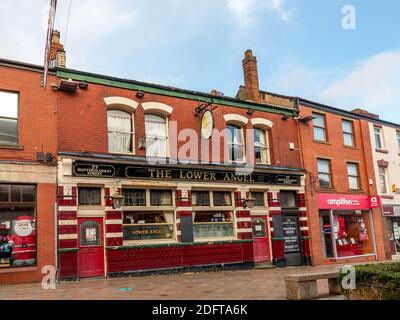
[100, 170]
[207, 124]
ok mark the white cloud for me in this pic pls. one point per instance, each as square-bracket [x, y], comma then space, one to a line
[374, 84]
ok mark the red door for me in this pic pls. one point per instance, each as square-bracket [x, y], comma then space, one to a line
[261, 240]
[91, 248]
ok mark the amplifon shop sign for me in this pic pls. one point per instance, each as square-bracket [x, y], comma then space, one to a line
[348, 202]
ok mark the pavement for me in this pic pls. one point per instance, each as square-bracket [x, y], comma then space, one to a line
[255, 284]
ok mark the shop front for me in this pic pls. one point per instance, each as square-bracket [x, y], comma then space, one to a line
[346, 225]
[392, 214]
[171, 217]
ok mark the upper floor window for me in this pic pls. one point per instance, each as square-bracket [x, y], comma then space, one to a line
[261, 146]
[156, 136]
[8, 118]
[398, 140]
[383, 180]
[378, 138]
[319, 127]
[235, 143]
[120, 131]
[354, 176]
[324, 173]
[348, 133]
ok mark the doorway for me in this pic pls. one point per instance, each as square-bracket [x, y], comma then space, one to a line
[261, 245]
[91, 248]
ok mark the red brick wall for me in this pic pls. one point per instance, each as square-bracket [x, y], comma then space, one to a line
[339, 155]
[82, 119]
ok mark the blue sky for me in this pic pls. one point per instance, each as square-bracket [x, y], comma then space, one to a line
[301, 46]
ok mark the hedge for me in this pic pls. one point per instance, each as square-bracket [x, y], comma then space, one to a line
[375, 282]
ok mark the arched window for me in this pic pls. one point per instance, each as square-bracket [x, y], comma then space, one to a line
[235, 143]
[120, 131]
[156, 136]
[261, 149]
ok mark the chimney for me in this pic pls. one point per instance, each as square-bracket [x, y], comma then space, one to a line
[57, 53]
[250, 69]
[365, 113]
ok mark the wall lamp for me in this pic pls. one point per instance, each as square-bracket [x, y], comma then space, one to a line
[140, 94]
[116, 199]
[249, 202]
[250, 112]
[286, 117]
[306, 119]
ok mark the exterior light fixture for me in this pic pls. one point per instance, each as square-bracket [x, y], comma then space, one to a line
[140, 94]
[116, 199]
[250, 112]
[249, 202]
[307, 119]
[286, 117]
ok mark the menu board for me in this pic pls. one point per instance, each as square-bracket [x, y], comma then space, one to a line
[290, 234]
[396, 230]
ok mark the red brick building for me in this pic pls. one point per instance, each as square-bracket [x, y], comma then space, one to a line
[28, 151]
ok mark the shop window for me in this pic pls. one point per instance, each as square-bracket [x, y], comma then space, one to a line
[319, 124]
[235, 143]
[89, 196]
[288, 199]
[378, 138]
[261, 146]
[156, 136]
[17, 226]
[201, 198]
[348, 133]
[120, 131]
[161, 198]
[213, 225]
[383, 180]
[222, 199]
[260, 199]
[142, 226]
[8, 118]
[134, 198]
[354, 176]
[327, 236]
[324, 173]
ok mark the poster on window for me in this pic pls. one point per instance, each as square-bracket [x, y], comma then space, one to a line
[363, 230]
[290, 234]
[91, 235]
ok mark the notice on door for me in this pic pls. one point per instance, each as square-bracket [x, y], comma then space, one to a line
[290, 234]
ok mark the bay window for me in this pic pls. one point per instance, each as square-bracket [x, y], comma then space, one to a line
[8, 118]
[120, 132]
[156, 136]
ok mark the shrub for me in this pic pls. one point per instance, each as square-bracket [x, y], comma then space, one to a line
[376, 282]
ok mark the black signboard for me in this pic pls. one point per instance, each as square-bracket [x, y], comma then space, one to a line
[118, 170]
[290, 234]
[148, 232]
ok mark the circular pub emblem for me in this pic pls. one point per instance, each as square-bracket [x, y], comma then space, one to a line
[207, 124]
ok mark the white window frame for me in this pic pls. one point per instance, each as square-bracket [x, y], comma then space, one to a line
[132, 133]
[383, 179]
[12, 118]
[378, 133]
[243, 160]
[266, 148]
[167, 146]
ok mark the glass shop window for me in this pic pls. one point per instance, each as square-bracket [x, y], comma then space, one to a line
[213, 225]
[201, 198]
[260, 199]
[134, 198]
[89, 196]
[222, 199]
[143, 226]
[17, 226]
[326, 231]
[8, 118]
[160, 198]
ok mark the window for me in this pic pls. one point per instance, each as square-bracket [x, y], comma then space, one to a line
[235, 143]
[383, 180]
[120, 131]
[161, 198]
[324, 173]
[287, 199]
[261, 146]
[378, 138]
[222, 199]
[8, 118]
[354, 177]
[213, 225]
[201, 198]
[398, 140]
[17, 226]
[134, 198]
[348, 133]
[89, 196]
[156, 136]
[260, 199]
[319, 127]
[144, 226]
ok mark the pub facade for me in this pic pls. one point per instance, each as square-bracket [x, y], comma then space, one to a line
[140, 189]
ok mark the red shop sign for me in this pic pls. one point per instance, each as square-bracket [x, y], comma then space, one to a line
[348, 202]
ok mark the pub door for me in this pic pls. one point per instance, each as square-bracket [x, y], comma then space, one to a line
[261, 245]
[291, 234]
[91, 248]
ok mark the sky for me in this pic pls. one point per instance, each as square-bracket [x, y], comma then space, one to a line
[302, 47]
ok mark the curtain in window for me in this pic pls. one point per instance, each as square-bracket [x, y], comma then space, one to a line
[156, 136]
[120, 133]
[260, 145]
[235, 142]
